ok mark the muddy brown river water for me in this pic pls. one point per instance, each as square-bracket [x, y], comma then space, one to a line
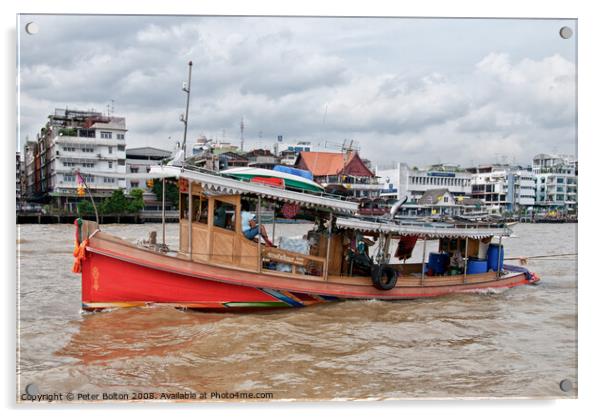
[515, 343]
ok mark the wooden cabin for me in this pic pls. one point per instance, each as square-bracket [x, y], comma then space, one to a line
[211, 232]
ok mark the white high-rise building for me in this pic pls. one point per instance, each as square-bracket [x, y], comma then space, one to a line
[556, 177]
[140, 160]
[86, 141]
[401, 180]
[502, 188]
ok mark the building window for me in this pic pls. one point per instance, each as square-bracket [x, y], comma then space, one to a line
[110, 164]
[106, 135]
[109, 180]
[135, 184]
[120, 147]
[120, 136]
[134, 169]
[68, 177]
[87, 133]
[120, 162]
[110, 150]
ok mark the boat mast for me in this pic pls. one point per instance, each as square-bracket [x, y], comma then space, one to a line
[163, 208]
[184, 119]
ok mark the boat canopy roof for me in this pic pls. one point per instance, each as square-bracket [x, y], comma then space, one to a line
[217, 183]
[424, 230]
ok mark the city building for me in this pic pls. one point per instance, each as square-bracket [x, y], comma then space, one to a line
[19, 174]
[204, 145]
[288, 153]
[71, 140]
[261, 158]
[543, 162]
[400, 180]
[341, 168]
[440, 202]
[140, 160]
[231, 159]
[503, 189]
[556, 187]
[29, 169]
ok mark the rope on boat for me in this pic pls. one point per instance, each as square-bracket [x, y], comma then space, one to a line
[523, 259]
[541, 256]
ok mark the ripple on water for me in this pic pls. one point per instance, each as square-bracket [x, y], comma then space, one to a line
[519, 342]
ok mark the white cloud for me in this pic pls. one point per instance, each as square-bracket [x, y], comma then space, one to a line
[308, 79]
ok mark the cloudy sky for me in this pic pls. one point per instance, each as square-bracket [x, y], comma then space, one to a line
[422, 91]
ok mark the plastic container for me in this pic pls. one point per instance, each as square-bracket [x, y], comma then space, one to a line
[476, 266]
[438, 262]
[493, 256]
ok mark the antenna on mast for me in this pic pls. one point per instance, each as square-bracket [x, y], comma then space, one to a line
[184, 118]
[242, 131]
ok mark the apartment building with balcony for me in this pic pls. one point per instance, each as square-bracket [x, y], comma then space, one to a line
[140, 160]
[75, 140]
[556, 183]
[400, 180]
[503, 188]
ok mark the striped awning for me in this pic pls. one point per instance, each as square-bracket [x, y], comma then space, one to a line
[216, 183]
[423, 230]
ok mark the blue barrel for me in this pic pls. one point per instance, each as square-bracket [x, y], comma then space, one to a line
[476, 266]
[438, 262]
[493, 253]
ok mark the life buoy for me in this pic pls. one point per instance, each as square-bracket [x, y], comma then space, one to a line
[383, 272]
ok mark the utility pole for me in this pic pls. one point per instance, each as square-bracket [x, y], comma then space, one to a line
[184, 119]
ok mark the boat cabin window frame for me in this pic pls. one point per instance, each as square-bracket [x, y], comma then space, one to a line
[184, 212]
[234, 220]
[200, 205]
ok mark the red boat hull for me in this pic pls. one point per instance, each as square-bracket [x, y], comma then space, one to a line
[113, 280]
[108, 282]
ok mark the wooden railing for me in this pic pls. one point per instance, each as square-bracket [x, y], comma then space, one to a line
[301, 264]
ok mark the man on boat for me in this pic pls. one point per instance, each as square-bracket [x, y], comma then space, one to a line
[250, 229]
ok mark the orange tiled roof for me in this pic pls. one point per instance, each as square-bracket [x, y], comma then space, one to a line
[324, 163]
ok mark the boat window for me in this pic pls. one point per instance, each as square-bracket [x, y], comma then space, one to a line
[223, 215]
[200, 209]
[183, 205]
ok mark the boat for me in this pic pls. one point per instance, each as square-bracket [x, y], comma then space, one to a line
[343, 257]
[262, 175]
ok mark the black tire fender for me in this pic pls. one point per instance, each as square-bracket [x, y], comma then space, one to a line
[380, 272]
